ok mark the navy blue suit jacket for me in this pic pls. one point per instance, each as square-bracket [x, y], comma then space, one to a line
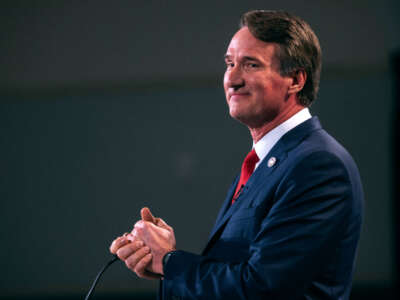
[291, 234]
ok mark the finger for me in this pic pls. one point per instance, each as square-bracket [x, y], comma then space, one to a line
[147, 216]
[124, 252]
[118, 243]
[140, 268]
[136, 256]
[132, 236]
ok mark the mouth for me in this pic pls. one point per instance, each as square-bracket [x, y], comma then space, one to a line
[237, 96]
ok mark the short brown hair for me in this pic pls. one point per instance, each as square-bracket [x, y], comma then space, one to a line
[298, 44]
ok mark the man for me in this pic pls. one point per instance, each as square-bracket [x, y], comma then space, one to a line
[290, 224]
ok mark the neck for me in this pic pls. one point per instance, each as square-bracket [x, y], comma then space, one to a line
[258, 132]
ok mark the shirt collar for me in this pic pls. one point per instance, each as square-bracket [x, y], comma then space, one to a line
[263, 146]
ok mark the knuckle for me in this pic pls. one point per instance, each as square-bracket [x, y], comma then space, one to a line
[119, 253]
[139, 223]
[119, 243]
[139, 232]
[138, 244]
[133, 235]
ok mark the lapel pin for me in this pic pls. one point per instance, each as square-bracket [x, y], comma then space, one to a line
[271, 162]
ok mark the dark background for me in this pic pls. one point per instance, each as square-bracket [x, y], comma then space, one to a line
[108, 106]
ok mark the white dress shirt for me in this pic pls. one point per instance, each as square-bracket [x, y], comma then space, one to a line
[263, 146]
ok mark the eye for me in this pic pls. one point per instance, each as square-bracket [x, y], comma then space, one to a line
[252, 65]
[229, 64]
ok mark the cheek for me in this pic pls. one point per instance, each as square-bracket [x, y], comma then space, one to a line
[272, 90]
[258, 88]
[226, 88]
[279, 85]
[225, 82]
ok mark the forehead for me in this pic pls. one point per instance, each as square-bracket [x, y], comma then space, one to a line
[244, 44]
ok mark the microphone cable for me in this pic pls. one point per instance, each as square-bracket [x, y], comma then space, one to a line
[114, 259]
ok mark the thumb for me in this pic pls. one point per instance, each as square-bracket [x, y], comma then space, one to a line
[147, 216]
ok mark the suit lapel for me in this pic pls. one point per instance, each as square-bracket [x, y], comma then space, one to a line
[278, 152]
[225, 206]
[263, 171]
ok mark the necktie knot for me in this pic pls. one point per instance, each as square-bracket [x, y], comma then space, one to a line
[250, 162]
[248, 166]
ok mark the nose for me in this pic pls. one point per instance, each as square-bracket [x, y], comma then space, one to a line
[234, 78]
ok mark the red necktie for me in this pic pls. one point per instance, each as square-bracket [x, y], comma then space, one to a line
[248, 166]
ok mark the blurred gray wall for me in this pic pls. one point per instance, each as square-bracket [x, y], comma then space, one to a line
[109, 106]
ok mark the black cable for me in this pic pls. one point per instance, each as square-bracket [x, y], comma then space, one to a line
[114, 259]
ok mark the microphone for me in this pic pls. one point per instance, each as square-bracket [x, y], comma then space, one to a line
[109, 263]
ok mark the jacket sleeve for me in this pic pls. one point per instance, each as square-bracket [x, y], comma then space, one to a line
[313, 207]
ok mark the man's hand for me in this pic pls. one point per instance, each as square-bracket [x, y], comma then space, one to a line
[135, 254]
[131, 249]
[157, 235]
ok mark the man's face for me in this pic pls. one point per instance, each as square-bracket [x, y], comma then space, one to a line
[255, 91]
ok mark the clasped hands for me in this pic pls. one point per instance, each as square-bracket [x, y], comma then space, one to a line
[144, 247]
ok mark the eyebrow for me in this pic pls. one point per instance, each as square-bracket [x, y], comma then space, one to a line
[250, 58]
[227, 56]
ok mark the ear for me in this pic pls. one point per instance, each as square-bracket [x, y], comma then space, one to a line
[299, 78]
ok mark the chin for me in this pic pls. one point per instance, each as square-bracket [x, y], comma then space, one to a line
[246, 118]
[239, 116]
[234, 113]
